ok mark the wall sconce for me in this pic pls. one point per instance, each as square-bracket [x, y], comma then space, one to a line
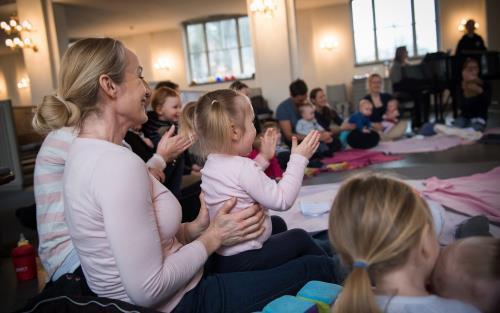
[329, 43]
[15, 28]
[162, 64]
[266, 7]
[461, 26]
[23, 83]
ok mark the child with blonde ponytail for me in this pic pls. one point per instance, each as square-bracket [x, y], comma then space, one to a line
[384, 231]
[222, 123]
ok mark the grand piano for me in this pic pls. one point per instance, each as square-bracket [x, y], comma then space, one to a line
[439, 72]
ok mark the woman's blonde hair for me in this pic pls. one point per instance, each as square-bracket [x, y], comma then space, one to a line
[212, 118]
[77, 94]
[160, 95]
[375, 222]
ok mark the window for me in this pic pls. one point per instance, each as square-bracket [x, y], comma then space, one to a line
[380, 26]
[219, 49]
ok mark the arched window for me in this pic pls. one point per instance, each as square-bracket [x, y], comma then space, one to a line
[219, 48]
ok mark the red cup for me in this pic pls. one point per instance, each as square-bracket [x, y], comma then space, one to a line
[23, 258]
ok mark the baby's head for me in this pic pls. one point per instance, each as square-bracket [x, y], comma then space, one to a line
[392, 105]
[167, 104]
[307, 111]
[239, 86]
[223, 122]
[365, 107]
[469, 270]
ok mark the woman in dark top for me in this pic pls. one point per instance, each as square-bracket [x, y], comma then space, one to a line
[326, 116]
[380, 100]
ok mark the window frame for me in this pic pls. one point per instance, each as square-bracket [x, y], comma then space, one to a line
[378, 61]
[204, 21]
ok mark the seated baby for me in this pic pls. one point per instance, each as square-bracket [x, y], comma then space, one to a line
[391, 116]
[469, 270]
[362, 118]
[309, 123]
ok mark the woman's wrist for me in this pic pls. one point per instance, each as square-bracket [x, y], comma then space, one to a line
[193, 230]
[210, 240]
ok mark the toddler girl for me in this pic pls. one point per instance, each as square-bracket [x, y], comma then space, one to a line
[383, 230]
[223, 125]
[166, 105]
[391, 116]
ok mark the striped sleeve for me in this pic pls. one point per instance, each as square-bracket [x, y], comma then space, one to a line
[54, 242]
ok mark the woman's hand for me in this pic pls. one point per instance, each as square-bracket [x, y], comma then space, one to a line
[308, 146]
[268, 143]
[201, 223]
[227, 229]
[171, 146]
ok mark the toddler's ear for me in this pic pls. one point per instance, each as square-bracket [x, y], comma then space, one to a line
[236, 133]
[157, 110]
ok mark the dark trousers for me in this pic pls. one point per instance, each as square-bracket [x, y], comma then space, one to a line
[251, 291]
[277, 250]
[358, 139]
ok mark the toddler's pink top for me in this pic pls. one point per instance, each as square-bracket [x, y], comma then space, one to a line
[226, 176]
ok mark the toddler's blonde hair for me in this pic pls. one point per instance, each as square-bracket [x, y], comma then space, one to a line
[376, 220]
[213, 117]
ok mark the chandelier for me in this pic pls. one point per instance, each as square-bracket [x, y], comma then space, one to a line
[265, 7]
[14, 30]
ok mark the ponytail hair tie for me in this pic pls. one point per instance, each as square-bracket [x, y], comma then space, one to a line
[213, 101]
[360, 264]
[58, 97]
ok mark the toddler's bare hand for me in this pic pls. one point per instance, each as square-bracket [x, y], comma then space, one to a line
[308, 146]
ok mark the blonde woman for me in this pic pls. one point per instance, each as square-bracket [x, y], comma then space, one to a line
[381, 101]
[124, 224]
[384, 231]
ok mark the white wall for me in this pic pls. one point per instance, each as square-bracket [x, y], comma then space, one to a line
[168, 43]
[322, 67]
[451, 12]
[272, 44]
[492, 10]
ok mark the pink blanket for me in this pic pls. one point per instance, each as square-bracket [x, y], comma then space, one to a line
[360, 158]
[416, 144]
[495, 130]
[471, 195]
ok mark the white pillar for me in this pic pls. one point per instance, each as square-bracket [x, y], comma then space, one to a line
[39, 64]
[272, 44]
